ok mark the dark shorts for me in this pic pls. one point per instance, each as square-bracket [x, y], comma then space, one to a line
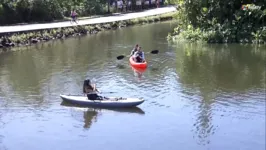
[73, 17]
[94, 97]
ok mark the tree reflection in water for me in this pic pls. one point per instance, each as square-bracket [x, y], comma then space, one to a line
[216, 74]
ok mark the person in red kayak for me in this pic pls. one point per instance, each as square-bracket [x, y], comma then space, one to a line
[139, 55]
[134, 50]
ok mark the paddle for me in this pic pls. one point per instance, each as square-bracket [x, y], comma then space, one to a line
[151, 52]
[105, 92]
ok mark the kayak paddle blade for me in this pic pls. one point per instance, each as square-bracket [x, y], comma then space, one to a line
[155, 51]
[120, 57]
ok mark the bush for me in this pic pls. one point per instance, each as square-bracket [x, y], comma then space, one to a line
[221, 21]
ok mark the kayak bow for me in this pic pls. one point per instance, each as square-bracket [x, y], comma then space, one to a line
[142, 65]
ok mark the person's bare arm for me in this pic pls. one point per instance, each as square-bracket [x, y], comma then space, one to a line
[94, 88]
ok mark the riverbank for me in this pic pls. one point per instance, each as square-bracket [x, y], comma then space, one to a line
[21, 38]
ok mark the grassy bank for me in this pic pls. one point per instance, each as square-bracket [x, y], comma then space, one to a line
[33, 37]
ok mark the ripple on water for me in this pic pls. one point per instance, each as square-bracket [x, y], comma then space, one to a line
[139, 89]
[248, 100]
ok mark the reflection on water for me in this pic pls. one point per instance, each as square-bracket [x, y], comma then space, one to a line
[138, 72]
[235, 68]
[204, 127]
[197, 96]
[222, 77]
[89, 117]
[91, 114]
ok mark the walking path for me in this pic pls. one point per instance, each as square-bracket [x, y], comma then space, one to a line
[28, 27]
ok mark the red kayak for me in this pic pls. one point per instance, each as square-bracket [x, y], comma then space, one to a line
[138, 70]
[136, 65]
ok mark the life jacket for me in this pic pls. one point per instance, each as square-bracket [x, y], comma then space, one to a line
[138, 53]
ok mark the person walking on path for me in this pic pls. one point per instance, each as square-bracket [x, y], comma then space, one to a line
[158, 3]
[73, 16]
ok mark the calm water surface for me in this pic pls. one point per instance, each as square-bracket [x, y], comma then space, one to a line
[198, 97]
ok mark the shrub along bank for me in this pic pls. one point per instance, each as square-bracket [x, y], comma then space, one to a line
[220, 21]
[28, 38]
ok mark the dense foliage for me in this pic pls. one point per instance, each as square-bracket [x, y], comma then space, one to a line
[221, 21]
[18, 11]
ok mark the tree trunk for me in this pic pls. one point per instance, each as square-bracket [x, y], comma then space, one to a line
[115, 5]
[108, 6]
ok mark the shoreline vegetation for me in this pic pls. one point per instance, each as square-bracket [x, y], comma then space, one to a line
[220, 21]
[27, 38]
[41, 11]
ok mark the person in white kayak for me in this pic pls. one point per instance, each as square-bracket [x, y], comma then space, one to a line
[91, 91]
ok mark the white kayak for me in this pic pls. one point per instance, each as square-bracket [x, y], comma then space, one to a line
[107, 102]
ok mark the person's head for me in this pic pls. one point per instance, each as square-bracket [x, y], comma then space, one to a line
[87, 82]
[139, 49]
[137, 45]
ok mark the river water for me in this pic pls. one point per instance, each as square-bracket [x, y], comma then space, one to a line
[198, 97]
